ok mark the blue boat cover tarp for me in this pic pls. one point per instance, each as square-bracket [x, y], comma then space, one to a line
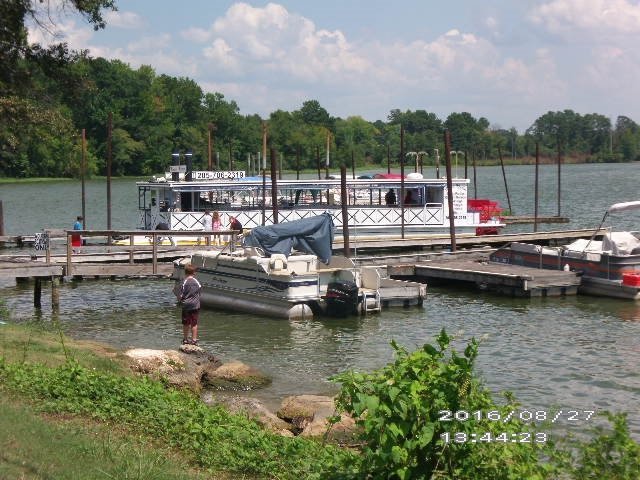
[310, 235]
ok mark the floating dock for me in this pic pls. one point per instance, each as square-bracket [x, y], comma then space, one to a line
[520, 219]
[510, 280]
[420, 258]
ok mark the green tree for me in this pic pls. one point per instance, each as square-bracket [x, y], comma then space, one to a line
[313, 113]
[355, 135]
[14, 47]
[37, 141]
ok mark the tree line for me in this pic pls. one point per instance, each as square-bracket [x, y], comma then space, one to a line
[48, 96]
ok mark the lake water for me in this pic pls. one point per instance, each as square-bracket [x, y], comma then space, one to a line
[579, 353]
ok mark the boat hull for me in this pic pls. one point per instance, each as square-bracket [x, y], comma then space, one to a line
[608, 288]
[239, 301]
[602, 273]
[610, 267]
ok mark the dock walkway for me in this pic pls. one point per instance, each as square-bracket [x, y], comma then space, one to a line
[490, 276]
[423, 258]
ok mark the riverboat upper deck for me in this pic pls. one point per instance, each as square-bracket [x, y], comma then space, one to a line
[374, 205]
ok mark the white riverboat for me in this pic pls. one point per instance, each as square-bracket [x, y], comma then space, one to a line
[288, 271]
[178, 202]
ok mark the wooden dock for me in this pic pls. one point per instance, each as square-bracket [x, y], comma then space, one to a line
[510, 280]
[439, 242]
[520, 219]
[423, 258]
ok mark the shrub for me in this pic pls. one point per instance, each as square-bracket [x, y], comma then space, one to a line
[407, 411]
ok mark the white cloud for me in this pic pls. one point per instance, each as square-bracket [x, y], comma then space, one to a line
[221, 55]
[123, 19]
[601, 16]
[273, 41]
[195, 34]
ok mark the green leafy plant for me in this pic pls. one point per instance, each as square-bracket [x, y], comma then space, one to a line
[609, 453]
[218, 439]
[427, 416]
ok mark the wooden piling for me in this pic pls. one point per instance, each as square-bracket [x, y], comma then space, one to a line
[83, 168]
[535, 199]
[37, 293]
[345, 212]
[264, 195]
[55, 293]
[1, 220]
[506, 186]
[264, 146]
[154, 253]
[402, 193]
[274, 186]
[68, 269]
[109, 141]
[447, 154]
[475, 176]
[559, 175]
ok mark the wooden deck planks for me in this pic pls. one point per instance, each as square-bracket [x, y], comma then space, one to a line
[508, 279]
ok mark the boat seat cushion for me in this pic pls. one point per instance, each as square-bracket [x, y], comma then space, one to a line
[620, 243]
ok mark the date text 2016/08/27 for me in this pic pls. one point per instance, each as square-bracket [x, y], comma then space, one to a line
[521, 415]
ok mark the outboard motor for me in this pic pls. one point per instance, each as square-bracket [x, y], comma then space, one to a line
[341, 298]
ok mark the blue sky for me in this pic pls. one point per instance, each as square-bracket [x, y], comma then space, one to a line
[507, 60]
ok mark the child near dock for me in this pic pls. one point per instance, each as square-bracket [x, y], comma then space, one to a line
[189, 298]
[76, 239]
[216, 226]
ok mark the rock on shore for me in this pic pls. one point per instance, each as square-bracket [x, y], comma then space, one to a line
[193, 368]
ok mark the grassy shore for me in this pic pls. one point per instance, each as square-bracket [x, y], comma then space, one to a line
[72, 409]
[40, 444]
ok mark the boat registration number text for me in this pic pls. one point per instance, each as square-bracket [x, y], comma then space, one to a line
[225, 175]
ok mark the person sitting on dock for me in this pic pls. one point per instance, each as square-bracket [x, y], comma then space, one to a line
[234, 224]
[164, 226]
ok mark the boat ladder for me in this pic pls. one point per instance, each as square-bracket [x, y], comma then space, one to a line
[370, 301]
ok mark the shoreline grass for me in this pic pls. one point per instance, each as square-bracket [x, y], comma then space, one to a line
[36, 446]
[72, 380]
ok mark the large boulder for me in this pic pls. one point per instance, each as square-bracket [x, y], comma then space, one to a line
[193, 368]
[310, 416]
[234, 376]
[178, 369]
[252, 408]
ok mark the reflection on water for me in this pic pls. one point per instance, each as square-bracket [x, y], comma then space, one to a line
[572, 353]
